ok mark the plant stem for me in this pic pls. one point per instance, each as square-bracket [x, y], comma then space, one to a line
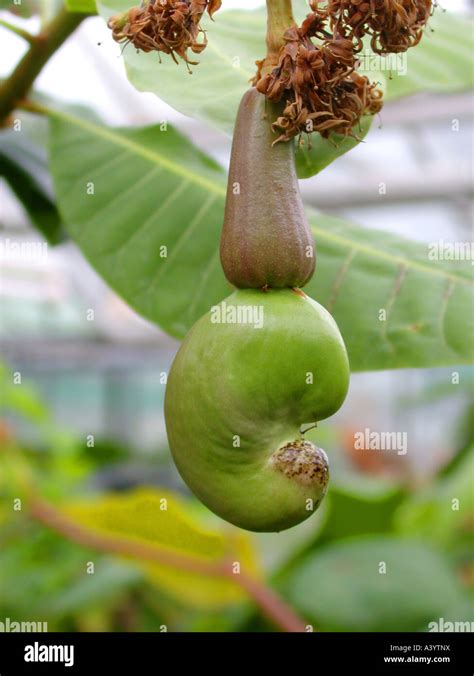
[18, 31]
[279, 18]
[271, 605]
[42, 47]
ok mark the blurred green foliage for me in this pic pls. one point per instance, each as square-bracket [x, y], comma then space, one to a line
[328, 568]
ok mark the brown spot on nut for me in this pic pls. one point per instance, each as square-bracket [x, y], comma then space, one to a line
[303, 462]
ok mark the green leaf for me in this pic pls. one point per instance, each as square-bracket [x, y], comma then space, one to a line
[441, 63]
[84, 6]
[359, 514]
[153, 189]
[23, 164]
[442, 513]
[159, 518]
[313, 158]
[428, 321]
[340, 587]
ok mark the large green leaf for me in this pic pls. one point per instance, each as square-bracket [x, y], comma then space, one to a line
[427, 304]
[441, 63]
[153, 189]
[341, 587]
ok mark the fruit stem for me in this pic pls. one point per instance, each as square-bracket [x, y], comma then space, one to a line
[279, 18]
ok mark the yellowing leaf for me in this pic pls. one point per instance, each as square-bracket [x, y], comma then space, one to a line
[158, 518]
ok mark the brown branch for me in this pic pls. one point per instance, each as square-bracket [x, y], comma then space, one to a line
[271, 605]
[42, 47]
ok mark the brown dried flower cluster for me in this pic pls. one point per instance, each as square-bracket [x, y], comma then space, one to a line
[319, 82]
[342, 110]
[168, 26]
[322, 91]
[394, 25]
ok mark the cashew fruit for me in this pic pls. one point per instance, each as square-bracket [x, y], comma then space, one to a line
[266, 239]
[247, 376]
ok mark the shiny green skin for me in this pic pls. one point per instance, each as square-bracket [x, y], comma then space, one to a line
[234, 379]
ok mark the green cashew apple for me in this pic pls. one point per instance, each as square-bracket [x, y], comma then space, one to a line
[248, 375]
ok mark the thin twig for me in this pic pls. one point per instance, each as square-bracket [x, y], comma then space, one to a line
[271, 605]
[42, 47]
[21, 32]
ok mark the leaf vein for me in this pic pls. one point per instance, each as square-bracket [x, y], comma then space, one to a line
[390, 302]
[152, 218]
[183, 238]
[339, 278]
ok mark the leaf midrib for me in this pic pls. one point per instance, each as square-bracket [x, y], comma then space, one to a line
[398, 260]
[137, 149]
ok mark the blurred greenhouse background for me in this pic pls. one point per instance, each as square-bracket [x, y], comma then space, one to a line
[103, 374]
